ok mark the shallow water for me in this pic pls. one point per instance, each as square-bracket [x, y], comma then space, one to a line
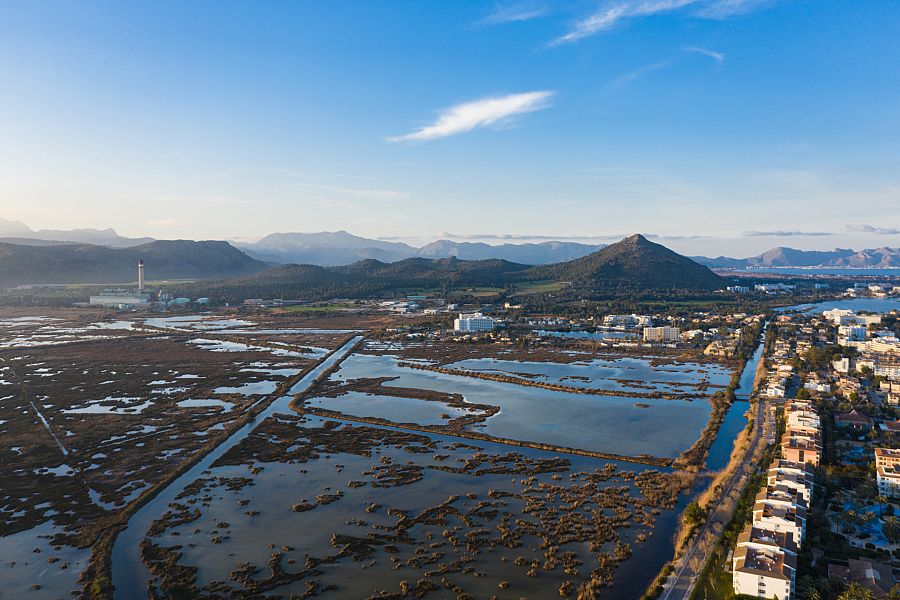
[398, 410]
[129, 574]
[735, 420]
[253, 539]
[206, 402]
[249, 389]
[590, 422]
[590, 335]
[875, 305]
[603, 374]
[22, 567]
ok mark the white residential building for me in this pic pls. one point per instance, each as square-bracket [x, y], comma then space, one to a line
[473, 322]
[764, 563]
[840, 316]
[887, 469]
[779, 516]
[627, 320]
[851, 333]
[662, 334]
[800, 483]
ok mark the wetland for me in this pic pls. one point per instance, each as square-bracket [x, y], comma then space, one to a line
[235, 455]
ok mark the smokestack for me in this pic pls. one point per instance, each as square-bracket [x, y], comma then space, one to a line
[141, 274]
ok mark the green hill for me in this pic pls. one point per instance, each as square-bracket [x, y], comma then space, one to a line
[633, 263]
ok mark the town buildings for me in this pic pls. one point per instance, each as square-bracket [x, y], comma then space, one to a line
[764, 564]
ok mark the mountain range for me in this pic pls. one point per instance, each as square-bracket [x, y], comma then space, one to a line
[342, 248]
[789, 257]
[634, 263]
[20, 233]
[336, 248]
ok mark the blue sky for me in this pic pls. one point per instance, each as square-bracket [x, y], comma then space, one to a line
[722, 126]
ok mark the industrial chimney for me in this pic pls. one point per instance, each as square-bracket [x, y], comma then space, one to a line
[141, 274]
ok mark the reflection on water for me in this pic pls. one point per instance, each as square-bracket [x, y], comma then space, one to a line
[247, 526]
[597, 423]
[875, 305]
[619, 374]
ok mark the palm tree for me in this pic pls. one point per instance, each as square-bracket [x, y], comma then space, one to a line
[856, 592]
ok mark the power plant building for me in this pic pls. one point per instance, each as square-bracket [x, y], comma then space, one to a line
[119, 298]
[122, 298]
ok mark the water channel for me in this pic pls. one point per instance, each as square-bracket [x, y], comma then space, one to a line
[130, 576]
[734, 423]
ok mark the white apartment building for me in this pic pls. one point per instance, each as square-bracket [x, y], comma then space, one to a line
[627, 320]
[473, 322]
[662, 334]
[851, 333]
[887, 469]
[798, 481]
[778, 516]
[764, 563]
[840, 316]
[843, 365]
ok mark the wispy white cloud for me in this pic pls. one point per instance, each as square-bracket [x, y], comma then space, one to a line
[786, 233]
[873, 229]
[719, 57]
[478, 113]
[627, 78]
[612, 14]
[241, 170]
[162, 223]
[639, 72]
[723, 9]
[357, 193]
[608, 17]
[513, 12]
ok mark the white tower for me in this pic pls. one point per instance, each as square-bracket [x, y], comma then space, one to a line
[141, 274]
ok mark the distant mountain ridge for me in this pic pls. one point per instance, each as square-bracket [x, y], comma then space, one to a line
[338, 248]
[86, 263]
[634, 263]
[22, 233]
[342, 248]
[529, 253]
[326, 248]
[789, 257]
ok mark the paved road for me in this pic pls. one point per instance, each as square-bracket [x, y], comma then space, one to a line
[680, 585]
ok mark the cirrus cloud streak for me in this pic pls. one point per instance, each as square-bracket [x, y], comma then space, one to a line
[614, 13]
[478, 113]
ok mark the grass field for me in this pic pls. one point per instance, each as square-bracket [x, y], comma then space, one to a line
[311, 308]
[539, 287]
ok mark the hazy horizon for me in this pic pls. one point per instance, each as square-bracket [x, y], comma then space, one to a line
[714, 246]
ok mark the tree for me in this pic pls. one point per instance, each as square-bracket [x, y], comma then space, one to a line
[693, 514]
[856, 592]
[891, 527]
